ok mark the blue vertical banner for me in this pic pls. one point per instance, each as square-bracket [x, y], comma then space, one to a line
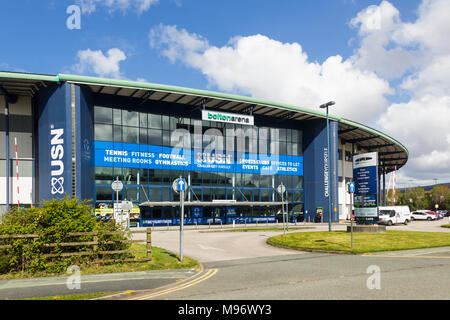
[54, 142]
[365, 175]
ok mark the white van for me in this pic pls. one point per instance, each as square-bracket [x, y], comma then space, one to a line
[394, 215]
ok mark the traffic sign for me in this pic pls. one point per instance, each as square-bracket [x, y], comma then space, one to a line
[181, 184]
[281, 189]
[117, 185]
[351, 187]
[127, 205]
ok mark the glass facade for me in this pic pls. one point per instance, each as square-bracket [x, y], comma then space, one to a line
[143, 133]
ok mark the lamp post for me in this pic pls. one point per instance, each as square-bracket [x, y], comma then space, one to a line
[325, 106]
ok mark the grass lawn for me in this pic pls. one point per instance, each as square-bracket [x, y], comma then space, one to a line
[339, 241]
[161, 259]
[445, 226]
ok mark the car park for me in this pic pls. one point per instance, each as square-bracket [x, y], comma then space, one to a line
[422, 215]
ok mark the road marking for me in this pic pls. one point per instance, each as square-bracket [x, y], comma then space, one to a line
[207, 275]
[203, 247]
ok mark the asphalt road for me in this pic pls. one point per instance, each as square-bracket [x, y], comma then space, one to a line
[410, 274]
[240, 265]
[421, 275]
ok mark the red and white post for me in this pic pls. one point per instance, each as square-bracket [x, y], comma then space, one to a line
[17, 173]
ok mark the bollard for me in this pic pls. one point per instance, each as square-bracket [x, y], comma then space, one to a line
[153, 226]
[209, 224]
[220, 224]
[196, 225]
[233, 223]
[167, 226]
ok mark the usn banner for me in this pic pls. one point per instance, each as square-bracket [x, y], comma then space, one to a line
[113, 154]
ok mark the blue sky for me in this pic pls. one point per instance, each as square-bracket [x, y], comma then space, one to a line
[385, 63]
[39, 27]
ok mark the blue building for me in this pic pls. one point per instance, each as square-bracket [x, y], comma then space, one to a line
[76, 135]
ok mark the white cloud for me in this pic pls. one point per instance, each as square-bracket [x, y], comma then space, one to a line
[416, 54]
[378, 51]
[140, 6]
[266, 68]
[423, 125]
[96, 62]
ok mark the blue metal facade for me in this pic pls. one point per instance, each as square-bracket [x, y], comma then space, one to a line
[315, 179]
[55, 112]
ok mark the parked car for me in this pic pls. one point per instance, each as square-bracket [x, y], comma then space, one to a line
[422, 215]
[394, 215]
[436, 214]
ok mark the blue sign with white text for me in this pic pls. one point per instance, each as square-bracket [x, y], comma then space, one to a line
[128, 155]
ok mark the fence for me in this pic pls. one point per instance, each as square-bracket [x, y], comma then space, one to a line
[87, 248]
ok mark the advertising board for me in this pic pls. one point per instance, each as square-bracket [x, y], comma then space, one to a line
[365, 175]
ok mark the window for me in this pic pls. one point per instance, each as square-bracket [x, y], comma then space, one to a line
[154, 137]
[103, 115]
[143, 120]
[103, 175]
[117, 133]
[103, 132]
[130, 118]
[104, 193]
[155, 194]
[154, 121]
[117, 116]
[143, 136]
[130, 135]
[132, 193]
[130, 175]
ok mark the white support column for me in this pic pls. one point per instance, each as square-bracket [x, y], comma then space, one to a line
[344, 184]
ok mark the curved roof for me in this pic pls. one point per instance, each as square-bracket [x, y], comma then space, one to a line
[391, 151]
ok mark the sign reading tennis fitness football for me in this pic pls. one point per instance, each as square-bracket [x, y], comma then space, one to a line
[365, 174]
[227, 117]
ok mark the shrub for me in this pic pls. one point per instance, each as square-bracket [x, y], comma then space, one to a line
[53, 222]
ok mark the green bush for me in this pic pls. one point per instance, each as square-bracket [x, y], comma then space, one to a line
[53, 222]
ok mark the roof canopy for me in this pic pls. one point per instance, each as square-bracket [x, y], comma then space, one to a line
[392, 153]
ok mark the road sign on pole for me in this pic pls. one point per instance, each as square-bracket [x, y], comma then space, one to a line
[351, 190]
[179, 185]
[117, 186]
[281, 190]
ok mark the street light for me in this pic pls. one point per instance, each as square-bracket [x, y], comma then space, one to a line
[325, 106]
